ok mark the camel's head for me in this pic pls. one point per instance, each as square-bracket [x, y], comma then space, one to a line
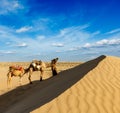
[11, 68]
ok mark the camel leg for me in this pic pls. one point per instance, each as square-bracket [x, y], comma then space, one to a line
[20, 81]
[21, 75]
[30, 73]
[9, 79]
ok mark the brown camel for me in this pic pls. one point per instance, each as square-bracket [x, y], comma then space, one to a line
[16, 71]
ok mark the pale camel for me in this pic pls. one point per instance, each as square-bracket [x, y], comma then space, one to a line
[36, 65]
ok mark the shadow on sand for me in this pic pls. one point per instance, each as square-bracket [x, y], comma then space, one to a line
[28, 97]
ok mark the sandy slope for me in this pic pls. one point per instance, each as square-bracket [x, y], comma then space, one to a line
[93, 87]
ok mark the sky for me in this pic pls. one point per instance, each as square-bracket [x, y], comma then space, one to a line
[72, 30]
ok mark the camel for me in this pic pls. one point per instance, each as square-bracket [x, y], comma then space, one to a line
[16, 71]
[36, 65]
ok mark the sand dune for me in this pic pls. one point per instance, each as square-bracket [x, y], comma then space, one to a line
[92, 87]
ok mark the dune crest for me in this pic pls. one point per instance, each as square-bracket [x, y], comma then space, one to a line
[92, 87]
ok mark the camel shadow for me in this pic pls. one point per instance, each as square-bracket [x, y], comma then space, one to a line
[27, 98]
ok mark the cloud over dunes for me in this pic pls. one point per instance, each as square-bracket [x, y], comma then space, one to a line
[58, 44]
[114, 31]
[24, 29]
[22, 45]
[102, 43]
[7, 6]
[108, 42]
[6, 52]
[76, 40]
[105, 46]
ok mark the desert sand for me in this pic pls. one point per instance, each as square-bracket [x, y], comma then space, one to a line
[90, 87]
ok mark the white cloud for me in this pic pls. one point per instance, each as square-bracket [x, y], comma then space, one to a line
[114, 41]
[41, 37]
[72, 29]
[7, 52]
[108, 42]
[57, 51]
[114, 31]
[95, 33]
[73, 49]
[22, 45]
[58, 44]
[104, 42]
[5, 30]
[100, 43]
[23, 29]
[68, 40]
[87, 45]
[73, 36]
[7, 6]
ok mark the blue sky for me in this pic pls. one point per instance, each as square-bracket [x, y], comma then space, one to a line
[73, 30]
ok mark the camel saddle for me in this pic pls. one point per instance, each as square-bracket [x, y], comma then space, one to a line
[20, 68]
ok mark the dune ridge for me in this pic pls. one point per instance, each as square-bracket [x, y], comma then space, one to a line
[92, 87]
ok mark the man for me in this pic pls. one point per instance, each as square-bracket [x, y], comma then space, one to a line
[53, 66]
